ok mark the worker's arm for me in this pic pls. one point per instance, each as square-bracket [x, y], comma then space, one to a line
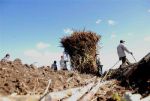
[126, 49]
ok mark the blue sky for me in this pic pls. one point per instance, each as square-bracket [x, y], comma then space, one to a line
[31, 29]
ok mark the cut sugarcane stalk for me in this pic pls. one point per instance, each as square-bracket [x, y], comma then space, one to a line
[63, 94]
[93, 91]
[76, 96]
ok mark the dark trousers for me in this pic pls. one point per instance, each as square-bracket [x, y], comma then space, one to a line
[124, 60]
[100, 69]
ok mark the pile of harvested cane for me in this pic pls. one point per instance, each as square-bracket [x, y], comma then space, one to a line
[81, 47]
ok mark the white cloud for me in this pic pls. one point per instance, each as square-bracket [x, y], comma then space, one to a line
[111, 22]
[32, 53]
[147, 39]
[42, 58]
[113, 35]
[149, 11]
[42, 45]
[98, 21]
[68, 31]
[130, 34]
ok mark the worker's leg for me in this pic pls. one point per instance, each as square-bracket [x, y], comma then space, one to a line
[128, 62]
[123, 61]
[120, 59]
[100, 69]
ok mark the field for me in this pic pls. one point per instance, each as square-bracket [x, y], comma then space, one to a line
[23, 79]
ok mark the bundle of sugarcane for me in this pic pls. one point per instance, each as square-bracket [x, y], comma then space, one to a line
[81, 47]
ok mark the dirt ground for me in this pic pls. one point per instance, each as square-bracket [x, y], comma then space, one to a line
[24, 79]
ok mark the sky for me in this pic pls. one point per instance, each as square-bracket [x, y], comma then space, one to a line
[32, 29]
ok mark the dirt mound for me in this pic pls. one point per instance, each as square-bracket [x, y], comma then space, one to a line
[136, 75]
[24, 79]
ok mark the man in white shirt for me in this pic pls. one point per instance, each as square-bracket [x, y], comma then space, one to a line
[67, 59]
[63, 65]
[99, 66]
[121, 53]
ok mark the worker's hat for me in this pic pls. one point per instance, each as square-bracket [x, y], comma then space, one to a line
[7, 54]
[122, 41]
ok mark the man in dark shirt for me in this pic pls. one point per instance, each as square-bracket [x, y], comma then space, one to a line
[54, 66]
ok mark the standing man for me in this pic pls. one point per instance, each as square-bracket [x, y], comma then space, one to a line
[99, 66]
[67, 59]
[121, 53]
[63, 64]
